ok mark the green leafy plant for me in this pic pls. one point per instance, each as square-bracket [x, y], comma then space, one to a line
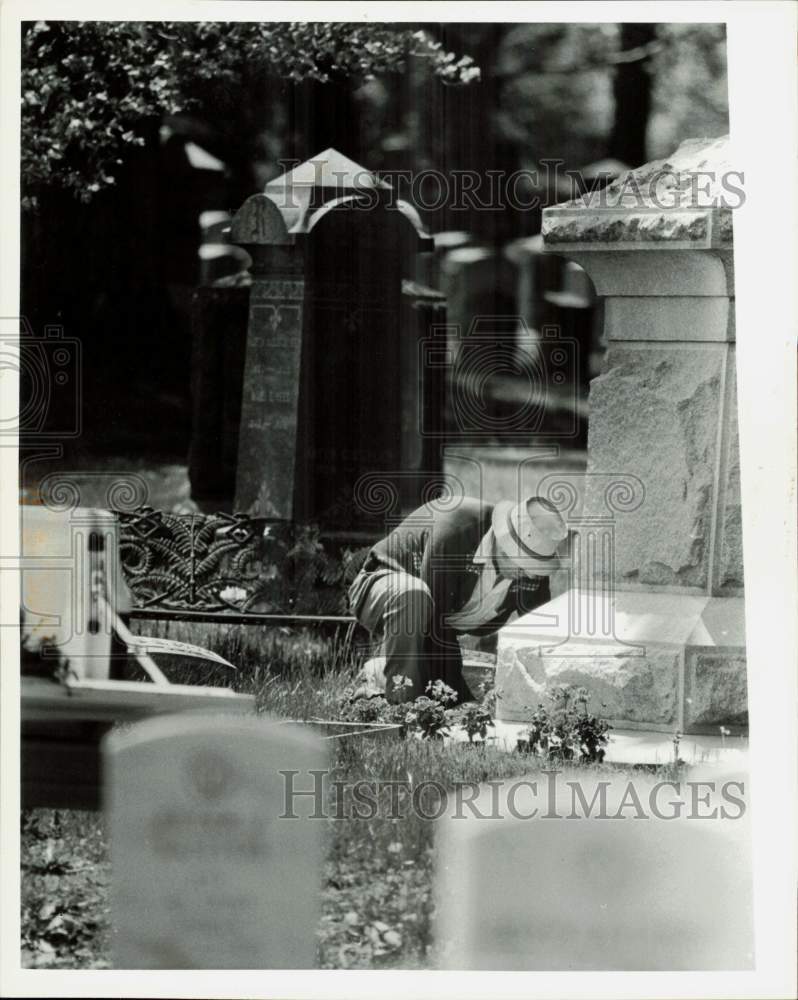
[319, 579]
[90, 89]
[475, 719]
[355, 704]
[428, 717]
[368, 710]
[565, 730]
[429, 714]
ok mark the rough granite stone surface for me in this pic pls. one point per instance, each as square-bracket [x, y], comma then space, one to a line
[634, 674]
[686, 197]
[715, 689]
[625, 227]
[730, 544]
[638, 689]
[696, 175]
[654, 414]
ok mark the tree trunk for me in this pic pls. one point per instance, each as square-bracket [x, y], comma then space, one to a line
[632, 91]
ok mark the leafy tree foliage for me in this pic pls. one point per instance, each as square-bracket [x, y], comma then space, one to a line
[88, 86]
[557, 100]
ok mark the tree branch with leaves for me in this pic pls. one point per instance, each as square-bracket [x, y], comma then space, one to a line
[88, 87]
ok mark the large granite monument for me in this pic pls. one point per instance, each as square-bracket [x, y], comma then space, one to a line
[653, 620]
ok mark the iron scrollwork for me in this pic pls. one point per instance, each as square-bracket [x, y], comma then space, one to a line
[223, 562]
[181, 561]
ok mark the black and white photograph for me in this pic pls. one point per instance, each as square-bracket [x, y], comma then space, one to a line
[399, 532]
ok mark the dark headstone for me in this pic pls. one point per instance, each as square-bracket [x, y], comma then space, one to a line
[219, 321]
[330, 386]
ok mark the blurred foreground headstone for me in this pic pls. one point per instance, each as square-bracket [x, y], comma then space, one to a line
[206, 873]
[575, 889]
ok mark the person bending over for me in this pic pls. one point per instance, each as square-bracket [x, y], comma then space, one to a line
[444, 572]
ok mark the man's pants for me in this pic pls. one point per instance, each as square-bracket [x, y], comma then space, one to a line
[397, 609]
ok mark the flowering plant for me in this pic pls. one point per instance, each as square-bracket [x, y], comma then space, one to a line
[566, 730]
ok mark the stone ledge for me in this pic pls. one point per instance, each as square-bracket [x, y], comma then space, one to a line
[663, 271]
[638, 690]
[680, 201]
[673, 663]
[693, 319]
[638, 229]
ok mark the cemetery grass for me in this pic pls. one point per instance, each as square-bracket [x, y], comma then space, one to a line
[377, 905]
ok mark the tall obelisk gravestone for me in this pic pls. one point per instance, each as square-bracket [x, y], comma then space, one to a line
[653, 621]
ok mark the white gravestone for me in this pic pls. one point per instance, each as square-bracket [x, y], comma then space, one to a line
[567, 890]
[206, 873]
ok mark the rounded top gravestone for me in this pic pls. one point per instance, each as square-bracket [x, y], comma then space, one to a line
[293, 204]
[570, 879]
[326, 375]
[216, 854]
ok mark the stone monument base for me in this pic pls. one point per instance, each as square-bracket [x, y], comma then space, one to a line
[671, 663]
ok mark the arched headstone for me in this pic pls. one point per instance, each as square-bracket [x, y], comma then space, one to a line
[330, 353]
[209, 871]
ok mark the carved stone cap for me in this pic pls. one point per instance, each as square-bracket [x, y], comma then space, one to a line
[294, 203]
[330, 170]
[682, 202]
